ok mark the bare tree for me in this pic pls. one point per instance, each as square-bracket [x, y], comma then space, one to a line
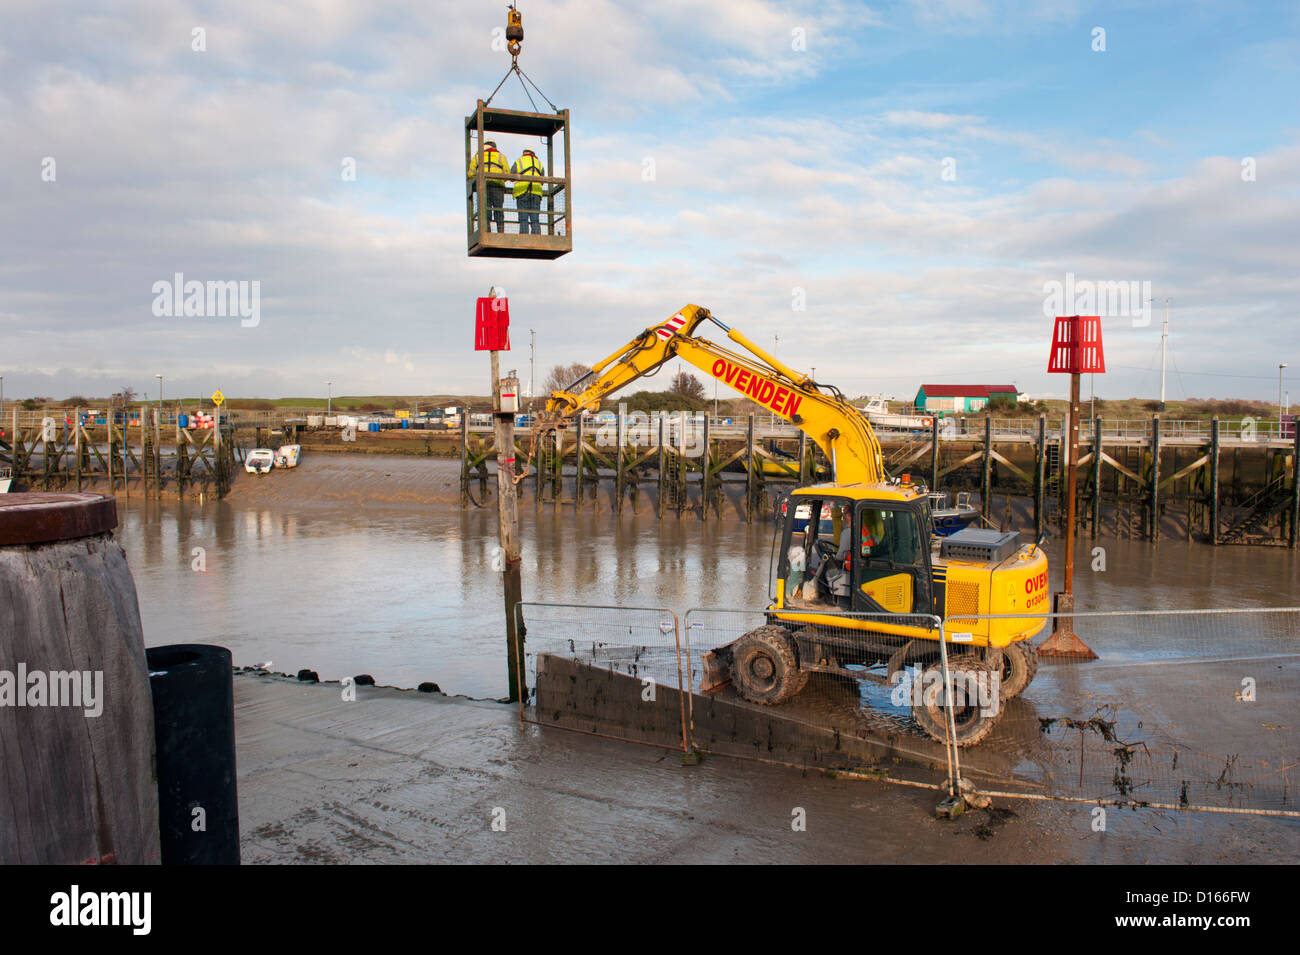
[562, 376]
[124, 397]
[687, 385]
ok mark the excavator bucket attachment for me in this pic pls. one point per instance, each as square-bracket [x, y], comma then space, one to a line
[717, 674]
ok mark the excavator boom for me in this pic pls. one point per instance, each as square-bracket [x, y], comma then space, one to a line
[839, 429]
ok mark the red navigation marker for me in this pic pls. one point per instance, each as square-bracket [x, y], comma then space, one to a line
[492, 324]
[1076, 345]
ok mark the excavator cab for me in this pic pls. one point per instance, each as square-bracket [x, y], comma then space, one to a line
[863, 553]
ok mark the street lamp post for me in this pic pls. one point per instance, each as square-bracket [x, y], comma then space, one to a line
[329, 400]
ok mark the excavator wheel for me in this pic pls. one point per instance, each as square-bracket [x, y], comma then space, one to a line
[1019, 666]
[764, 667]
[972, 723]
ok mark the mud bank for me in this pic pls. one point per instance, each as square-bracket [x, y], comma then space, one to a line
[399, 776]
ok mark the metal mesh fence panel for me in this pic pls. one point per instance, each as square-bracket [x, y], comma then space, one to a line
[1182, 709]
[1187, 709]
[817, 690]
[611, 671]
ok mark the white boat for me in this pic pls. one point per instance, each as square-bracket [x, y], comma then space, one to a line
[259, 461]
[878, 413]
[287, 456]
[6, 478]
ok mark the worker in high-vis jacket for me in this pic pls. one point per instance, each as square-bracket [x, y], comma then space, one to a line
[528, 194]
[494, 161]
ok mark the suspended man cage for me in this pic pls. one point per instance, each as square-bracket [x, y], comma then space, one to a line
[497, 224]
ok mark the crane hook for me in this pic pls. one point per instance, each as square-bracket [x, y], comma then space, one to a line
[514, 30]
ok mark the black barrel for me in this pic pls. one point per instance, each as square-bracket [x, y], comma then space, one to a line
[194, 726]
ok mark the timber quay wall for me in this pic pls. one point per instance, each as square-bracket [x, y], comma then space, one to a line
[1224, 482]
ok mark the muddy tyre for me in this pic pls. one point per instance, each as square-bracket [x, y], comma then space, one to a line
[972, 723]
[765, 668]
[1019, 666]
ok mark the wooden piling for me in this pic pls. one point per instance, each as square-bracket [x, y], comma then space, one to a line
[706, 485]
[1096, 476]
[1295, 483]
[621, 433]
[663, 461]
[76, 434]
[578, 458]
[750, 465]
[986, 468]
[934, 453]
[1040, 479]
[464, 457]
[1155, 478]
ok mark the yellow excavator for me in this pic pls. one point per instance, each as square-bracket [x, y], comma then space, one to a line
[857, 584]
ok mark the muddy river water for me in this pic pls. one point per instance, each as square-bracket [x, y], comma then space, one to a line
[359, 564]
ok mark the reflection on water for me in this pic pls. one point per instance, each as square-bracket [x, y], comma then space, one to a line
[407, 593]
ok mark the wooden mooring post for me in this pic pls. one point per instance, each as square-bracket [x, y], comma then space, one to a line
[1295, 483]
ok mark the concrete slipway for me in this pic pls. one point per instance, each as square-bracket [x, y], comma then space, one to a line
[406, 777]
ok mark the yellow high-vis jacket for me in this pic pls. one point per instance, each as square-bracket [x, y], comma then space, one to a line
[528, 165]
[493, 161]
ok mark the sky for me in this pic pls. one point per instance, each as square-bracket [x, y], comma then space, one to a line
[892, 193]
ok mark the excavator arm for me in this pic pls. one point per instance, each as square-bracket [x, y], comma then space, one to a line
[839, 429]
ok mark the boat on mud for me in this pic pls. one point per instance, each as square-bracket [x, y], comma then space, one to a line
[259, 461]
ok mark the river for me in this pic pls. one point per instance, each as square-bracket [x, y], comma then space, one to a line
[363, 564]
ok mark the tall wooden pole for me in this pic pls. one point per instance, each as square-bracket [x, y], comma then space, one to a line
[508, 523]
[1072, 503]
[1064, 642]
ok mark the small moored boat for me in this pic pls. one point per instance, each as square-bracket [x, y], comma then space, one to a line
[950, 519]
[259, 461]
